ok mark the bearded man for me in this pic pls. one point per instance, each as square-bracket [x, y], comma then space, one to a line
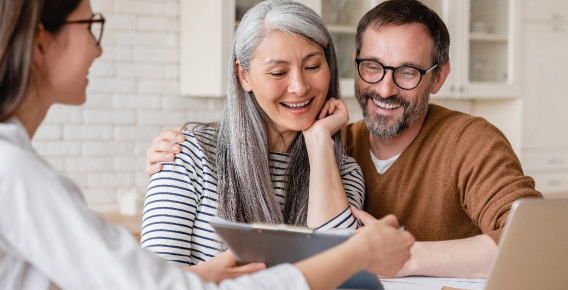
[449, 177]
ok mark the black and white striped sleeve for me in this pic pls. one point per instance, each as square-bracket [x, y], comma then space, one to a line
[171, 205]
[354, 185]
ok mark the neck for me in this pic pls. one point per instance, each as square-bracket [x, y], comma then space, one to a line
[281, 142]
[385, 148]
[32, 111]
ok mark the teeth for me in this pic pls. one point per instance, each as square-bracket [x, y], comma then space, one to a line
[297, 105]
[385, 105]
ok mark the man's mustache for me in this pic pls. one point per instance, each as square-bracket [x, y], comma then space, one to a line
[392, 100]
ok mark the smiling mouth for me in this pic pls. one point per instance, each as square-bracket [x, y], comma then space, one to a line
[297, 106]
[386, 106]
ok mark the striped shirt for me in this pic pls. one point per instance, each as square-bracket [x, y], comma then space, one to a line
[182, 198]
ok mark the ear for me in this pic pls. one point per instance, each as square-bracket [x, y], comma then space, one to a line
[243, 77]
[441, 77]
[40, 45]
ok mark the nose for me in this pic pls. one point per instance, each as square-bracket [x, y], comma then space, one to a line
[298, 84]
[386, 87]
[99, 50]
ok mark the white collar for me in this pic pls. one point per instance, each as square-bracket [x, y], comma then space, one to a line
[13, 131]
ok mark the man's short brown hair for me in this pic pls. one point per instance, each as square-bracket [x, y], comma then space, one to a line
[401, 12]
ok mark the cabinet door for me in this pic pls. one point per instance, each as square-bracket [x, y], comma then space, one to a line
[555, 10]
[545, 72]
[488, 63]
[341, 18]
[444, 9]
[206, 32]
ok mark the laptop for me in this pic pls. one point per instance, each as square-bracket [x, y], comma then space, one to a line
[533, 252]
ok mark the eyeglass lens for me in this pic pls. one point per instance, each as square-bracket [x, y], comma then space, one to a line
[404, 77]
[97, 30]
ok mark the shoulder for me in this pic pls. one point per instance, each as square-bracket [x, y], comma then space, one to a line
[352, 130]
[459, 126]
[349, 165]
[24, 173]
[201, 140]
[353, 135]
[16, 159]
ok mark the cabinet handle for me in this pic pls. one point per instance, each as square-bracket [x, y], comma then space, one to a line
[462, 89]
[554, 182]
[556, 16]
[452, 88]
[555, 161]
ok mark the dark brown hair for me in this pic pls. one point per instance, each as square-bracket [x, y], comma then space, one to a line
[19, 21]
[401, 12]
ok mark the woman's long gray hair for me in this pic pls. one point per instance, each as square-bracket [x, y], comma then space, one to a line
[245, 186]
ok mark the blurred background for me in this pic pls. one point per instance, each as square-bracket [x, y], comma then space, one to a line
[165, 61]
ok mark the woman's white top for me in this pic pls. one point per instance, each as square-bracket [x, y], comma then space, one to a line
[182, 198]
[49, 239]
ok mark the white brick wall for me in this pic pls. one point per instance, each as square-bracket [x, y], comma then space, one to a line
[133, 94]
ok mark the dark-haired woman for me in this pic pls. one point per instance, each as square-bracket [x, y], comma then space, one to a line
[49, 239]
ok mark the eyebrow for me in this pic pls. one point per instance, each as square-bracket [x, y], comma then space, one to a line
[281, 61]
[414, 65]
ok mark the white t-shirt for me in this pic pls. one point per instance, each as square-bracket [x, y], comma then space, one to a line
[383, 165]
[49, 239]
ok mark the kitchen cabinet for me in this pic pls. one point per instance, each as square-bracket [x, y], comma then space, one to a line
[206, 33]
[546, 10]
[483, 49]
[341, 18]
[545, 63]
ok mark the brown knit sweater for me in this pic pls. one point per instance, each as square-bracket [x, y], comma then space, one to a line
[457, 179]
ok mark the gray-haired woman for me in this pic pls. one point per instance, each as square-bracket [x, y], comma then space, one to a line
[276, 154]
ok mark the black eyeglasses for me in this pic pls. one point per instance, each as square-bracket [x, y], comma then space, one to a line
[96, 25]
[405, 77]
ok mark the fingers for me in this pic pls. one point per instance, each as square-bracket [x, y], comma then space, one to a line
[247, 269]
[154, 156]
[363, 216]
[164, 146]
[180, 128]
[228, 257]
[160, 151]
[172, 136]
[390, 248]
[151, 169]
[390, 220]
[324, 110]
[163, 149]
[330, 106]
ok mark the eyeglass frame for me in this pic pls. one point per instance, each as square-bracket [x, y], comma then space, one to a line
[394, 69]
[91, 21]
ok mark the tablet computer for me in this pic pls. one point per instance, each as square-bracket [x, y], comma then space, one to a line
[275, 244]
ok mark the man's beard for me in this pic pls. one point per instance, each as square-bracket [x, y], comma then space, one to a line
[378, 125]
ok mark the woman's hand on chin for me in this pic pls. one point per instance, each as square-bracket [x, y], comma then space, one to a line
[332, 117]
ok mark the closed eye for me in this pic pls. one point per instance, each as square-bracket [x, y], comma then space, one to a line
[315, 67]
[277, 74]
